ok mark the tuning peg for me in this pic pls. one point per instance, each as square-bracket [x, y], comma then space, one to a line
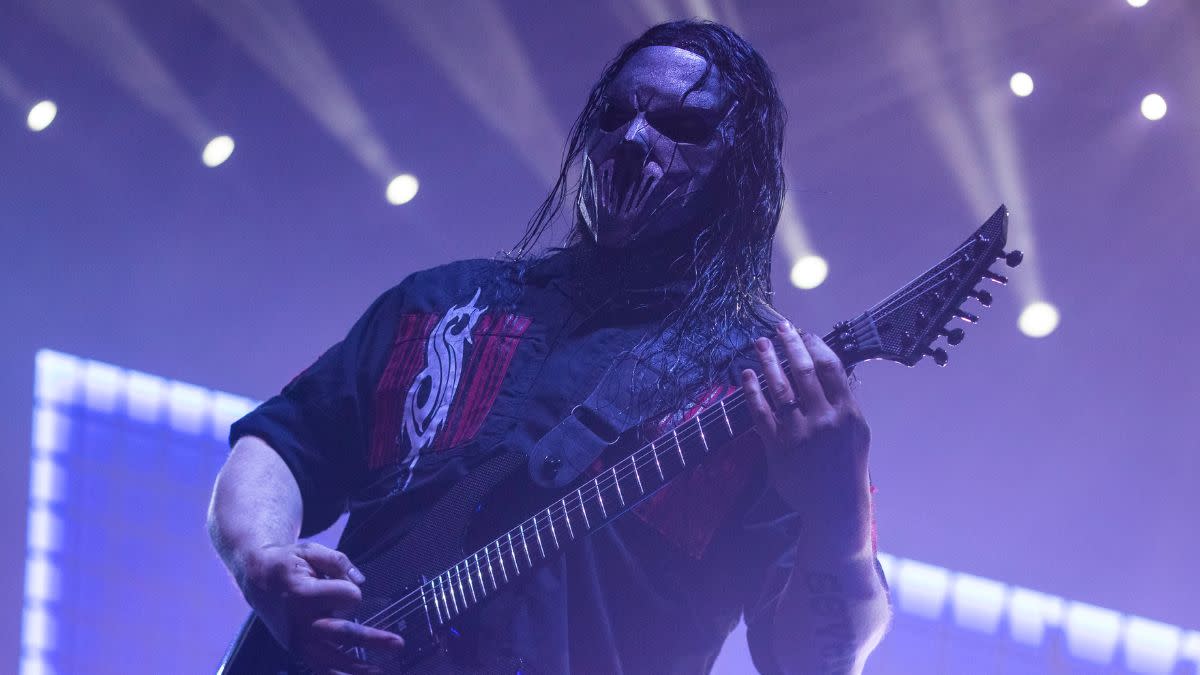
[1012, 259]
[998, 278]
[938, 355]
[953, 336]
[982, 296]
[965, 316]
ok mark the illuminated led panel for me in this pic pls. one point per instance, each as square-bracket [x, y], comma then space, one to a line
[121, 466]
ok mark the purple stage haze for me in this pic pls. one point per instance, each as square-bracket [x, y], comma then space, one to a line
[1067, 464]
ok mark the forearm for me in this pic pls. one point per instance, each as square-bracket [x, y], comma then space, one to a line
[832, 612]
[255, 503]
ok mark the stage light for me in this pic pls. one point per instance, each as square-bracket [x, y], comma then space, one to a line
[402, 189]
[1038, 319]
[217, 151]
[41, 115]
[1137, 3]
[809, 272]
[1154, 107]
[1021, 84]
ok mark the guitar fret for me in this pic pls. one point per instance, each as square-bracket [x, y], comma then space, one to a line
[657, 463]
[678, 447]
[587, 524]
[617, 482]
[445, 600]
[500, 559]
[453, 599]
[525, 544]
[600, 497]
[537, 532]
[700, 426]
[470, 583]
[463, 593]
[725, 414]
[491, 573]
[513, 552]
[436, 605]
[567, 517]
[479, 573]
[637, 474]
[553, 532]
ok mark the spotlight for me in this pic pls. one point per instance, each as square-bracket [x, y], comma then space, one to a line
[1021, 84]
[1038, 319]
[1154, 107]
[217, 151]
[1137, 3]
[402, 189]
[809, 272]
[41, 115]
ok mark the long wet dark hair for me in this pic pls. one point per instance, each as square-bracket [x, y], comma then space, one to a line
[730, 264]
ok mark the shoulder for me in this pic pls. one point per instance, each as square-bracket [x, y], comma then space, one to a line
[457, 282]
[461, 270]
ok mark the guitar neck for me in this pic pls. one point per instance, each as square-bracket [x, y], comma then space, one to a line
[595, 503]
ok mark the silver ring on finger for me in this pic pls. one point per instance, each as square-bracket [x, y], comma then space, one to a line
[793, 404]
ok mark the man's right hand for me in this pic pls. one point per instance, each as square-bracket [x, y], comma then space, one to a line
[299, 592]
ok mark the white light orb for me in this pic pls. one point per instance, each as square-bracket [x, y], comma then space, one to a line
[1154, 107]
[809, 272]
[1038, 319]
[1137, 3]
[217, 151]
[41, 115]
[1021, 84]
[402, 189]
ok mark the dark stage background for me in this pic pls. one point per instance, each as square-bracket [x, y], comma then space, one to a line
[1066, 464]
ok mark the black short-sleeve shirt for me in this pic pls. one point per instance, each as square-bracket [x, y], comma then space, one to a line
[463, 361]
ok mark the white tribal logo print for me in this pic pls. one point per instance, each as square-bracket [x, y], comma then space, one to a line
[428, 400]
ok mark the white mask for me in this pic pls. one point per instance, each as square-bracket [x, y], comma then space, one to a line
[658, 139]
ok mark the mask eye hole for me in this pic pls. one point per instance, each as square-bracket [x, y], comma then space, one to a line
[681, 126]
[614, 116]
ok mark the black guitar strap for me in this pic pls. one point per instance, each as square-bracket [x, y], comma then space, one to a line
[612, 408]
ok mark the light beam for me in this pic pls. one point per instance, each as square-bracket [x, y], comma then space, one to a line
[278, 37]
[100, 28]
[479, 53]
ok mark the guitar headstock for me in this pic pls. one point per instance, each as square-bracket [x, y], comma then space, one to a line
[904, 326]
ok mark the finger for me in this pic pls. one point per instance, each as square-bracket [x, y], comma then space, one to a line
[330, 562]
[777, 382]
[327, 594]
[760, 410]
[327, 657]
[804, 377]
[350, 634]
[829, 369]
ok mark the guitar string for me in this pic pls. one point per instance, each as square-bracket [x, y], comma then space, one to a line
[644, 458]
[409, 603]
[593, 488]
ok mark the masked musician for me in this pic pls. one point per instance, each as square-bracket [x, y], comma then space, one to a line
[656, 309]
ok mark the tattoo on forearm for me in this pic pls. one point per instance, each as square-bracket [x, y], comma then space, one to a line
[833, 636]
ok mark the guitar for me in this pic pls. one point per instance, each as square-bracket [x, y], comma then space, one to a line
[420, 584]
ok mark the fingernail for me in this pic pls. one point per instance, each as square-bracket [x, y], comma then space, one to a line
[783, 327]
[356, 576]
[762, 343]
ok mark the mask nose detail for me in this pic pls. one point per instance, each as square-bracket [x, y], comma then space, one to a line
[636, 132]
[631, 176]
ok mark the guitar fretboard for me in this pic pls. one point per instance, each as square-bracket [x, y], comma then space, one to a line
[581, 511]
